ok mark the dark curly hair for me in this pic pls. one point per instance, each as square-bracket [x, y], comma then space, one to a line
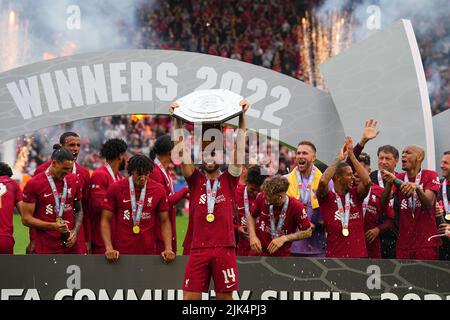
[61, 154]
[140, 164]
[163, 145]
[254, 176]
[5, 170]
[113, 148]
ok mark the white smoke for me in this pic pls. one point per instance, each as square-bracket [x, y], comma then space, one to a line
[430, 20]
[423, 13]
[66, 27]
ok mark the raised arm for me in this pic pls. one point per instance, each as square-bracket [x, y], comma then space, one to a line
[370, 132]
[322, 189]
[364, 178]
[235, 168]
[187, 165]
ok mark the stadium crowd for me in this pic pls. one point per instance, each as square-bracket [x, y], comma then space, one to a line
[265, 33]
[257, 32]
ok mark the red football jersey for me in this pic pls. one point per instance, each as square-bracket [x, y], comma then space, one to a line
[372, 218]
[83, 177]
[243, 244]
[296, 219]
[39, 191]
[8, 201]
[158, 176]
[414, 231]
[220, 232]
[100, 181]
[118, 201]
[339, 246]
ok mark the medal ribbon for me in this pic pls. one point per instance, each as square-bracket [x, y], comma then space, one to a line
[380, 179]
[366, 202]
[211, 195]
[136, 213]
[413, 199]
[381, 184]
[111, 173]
[345, 213]
[305, 191]
[59, 207]
[277, 232]
[74, 168]
[444, 196]
[246, 204]
[159, 164]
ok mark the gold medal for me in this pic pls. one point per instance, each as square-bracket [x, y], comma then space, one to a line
[136, 229]
[59, 220]
[345, 232]
[210, 217]
[447, 217]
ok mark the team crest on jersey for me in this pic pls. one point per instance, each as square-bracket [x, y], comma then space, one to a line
[374, 198]
[49, 209]
[404, 204]
[149, 201]
[262, 226]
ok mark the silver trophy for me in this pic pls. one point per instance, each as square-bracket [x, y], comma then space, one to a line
[213, 107]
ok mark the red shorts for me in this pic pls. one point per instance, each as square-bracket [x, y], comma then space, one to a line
[220, 263]
[6, 245]
[428, 253]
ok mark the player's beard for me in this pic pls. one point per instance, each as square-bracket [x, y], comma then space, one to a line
[209, 169]
[122, 165]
